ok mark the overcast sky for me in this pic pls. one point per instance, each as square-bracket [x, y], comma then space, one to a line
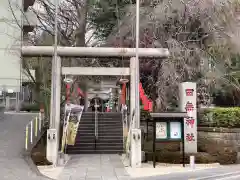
[39, 8]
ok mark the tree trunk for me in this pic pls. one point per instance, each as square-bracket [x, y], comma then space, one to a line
[82, 20]
[37, 87]
[82, 10]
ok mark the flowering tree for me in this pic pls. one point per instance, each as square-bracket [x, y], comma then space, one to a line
[201, 35]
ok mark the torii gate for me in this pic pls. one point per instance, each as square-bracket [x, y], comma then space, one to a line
[34, 51]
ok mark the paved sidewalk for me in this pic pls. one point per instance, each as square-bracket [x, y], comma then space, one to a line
[111, 167]
[147, 169]
[94, 167]
[79, 167]
[12, 164]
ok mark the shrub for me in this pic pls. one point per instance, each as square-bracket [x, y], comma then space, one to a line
[176, 157]
[220, 117]
[30, 107]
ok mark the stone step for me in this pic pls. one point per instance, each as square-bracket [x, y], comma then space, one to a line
[101, 130]
[73, 151]
[83, 122]
[98, 147]
[110, 124]
[92, 135]
[100, 140]
[110, 134]
[98, 144]
[112, 128]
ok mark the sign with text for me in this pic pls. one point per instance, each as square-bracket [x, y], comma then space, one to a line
[175, 130]
[189, 92]
[168, 127]
[161, 130]
[187, 103]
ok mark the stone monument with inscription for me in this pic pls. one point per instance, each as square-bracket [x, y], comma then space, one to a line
[187, 103]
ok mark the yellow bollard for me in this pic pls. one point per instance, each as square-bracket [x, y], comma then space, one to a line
[36, 126]
[26, 138]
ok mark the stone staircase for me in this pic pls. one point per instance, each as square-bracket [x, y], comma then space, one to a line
[109, 138]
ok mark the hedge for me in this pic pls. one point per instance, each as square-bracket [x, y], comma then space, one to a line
[220, 117]
[30, 107]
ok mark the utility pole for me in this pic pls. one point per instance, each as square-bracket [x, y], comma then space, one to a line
[137, 79]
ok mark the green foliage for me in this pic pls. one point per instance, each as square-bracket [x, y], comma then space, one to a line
[30, 107]
[105, 15]
[220, 117]
[225, 79]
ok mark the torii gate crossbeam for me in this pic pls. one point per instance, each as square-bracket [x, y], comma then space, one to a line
[93, 51]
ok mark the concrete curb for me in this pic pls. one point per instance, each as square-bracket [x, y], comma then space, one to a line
[33, 167]
[21, 112]
[28, 159]
[51, 166]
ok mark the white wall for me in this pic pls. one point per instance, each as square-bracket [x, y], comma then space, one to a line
[10, 40]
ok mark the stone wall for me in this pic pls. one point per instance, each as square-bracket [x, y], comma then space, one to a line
[227, 136]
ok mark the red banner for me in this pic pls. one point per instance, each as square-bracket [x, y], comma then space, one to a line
[123, 97]
[147, 104]
[68, 86]
[80, 93]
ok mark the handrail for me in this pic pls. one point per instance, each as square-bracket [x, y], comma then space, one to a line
[124, 120]
[129, 131]
[124, 115]
[96, 122]
[96, 125]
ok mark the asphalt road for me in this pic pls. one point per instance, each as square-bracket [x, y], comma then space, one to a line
[12, 132]
[231, 172]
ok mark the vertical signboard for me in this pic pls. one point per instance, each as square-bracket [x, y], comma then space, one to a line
[187, 103]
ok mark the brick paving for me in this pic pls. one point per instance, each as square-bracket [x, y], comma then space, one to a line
[94, 167]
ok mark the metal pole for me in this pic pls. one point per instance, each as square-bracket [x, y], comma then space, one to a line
[54, 73]
[137, 103]
[54, 93]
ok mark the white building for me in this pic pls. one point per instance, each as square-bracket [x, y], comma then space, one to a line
[14, 16]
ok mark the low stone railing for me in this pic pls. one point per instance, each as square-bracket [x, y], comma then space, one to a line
[34, 131]
[229, 136]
